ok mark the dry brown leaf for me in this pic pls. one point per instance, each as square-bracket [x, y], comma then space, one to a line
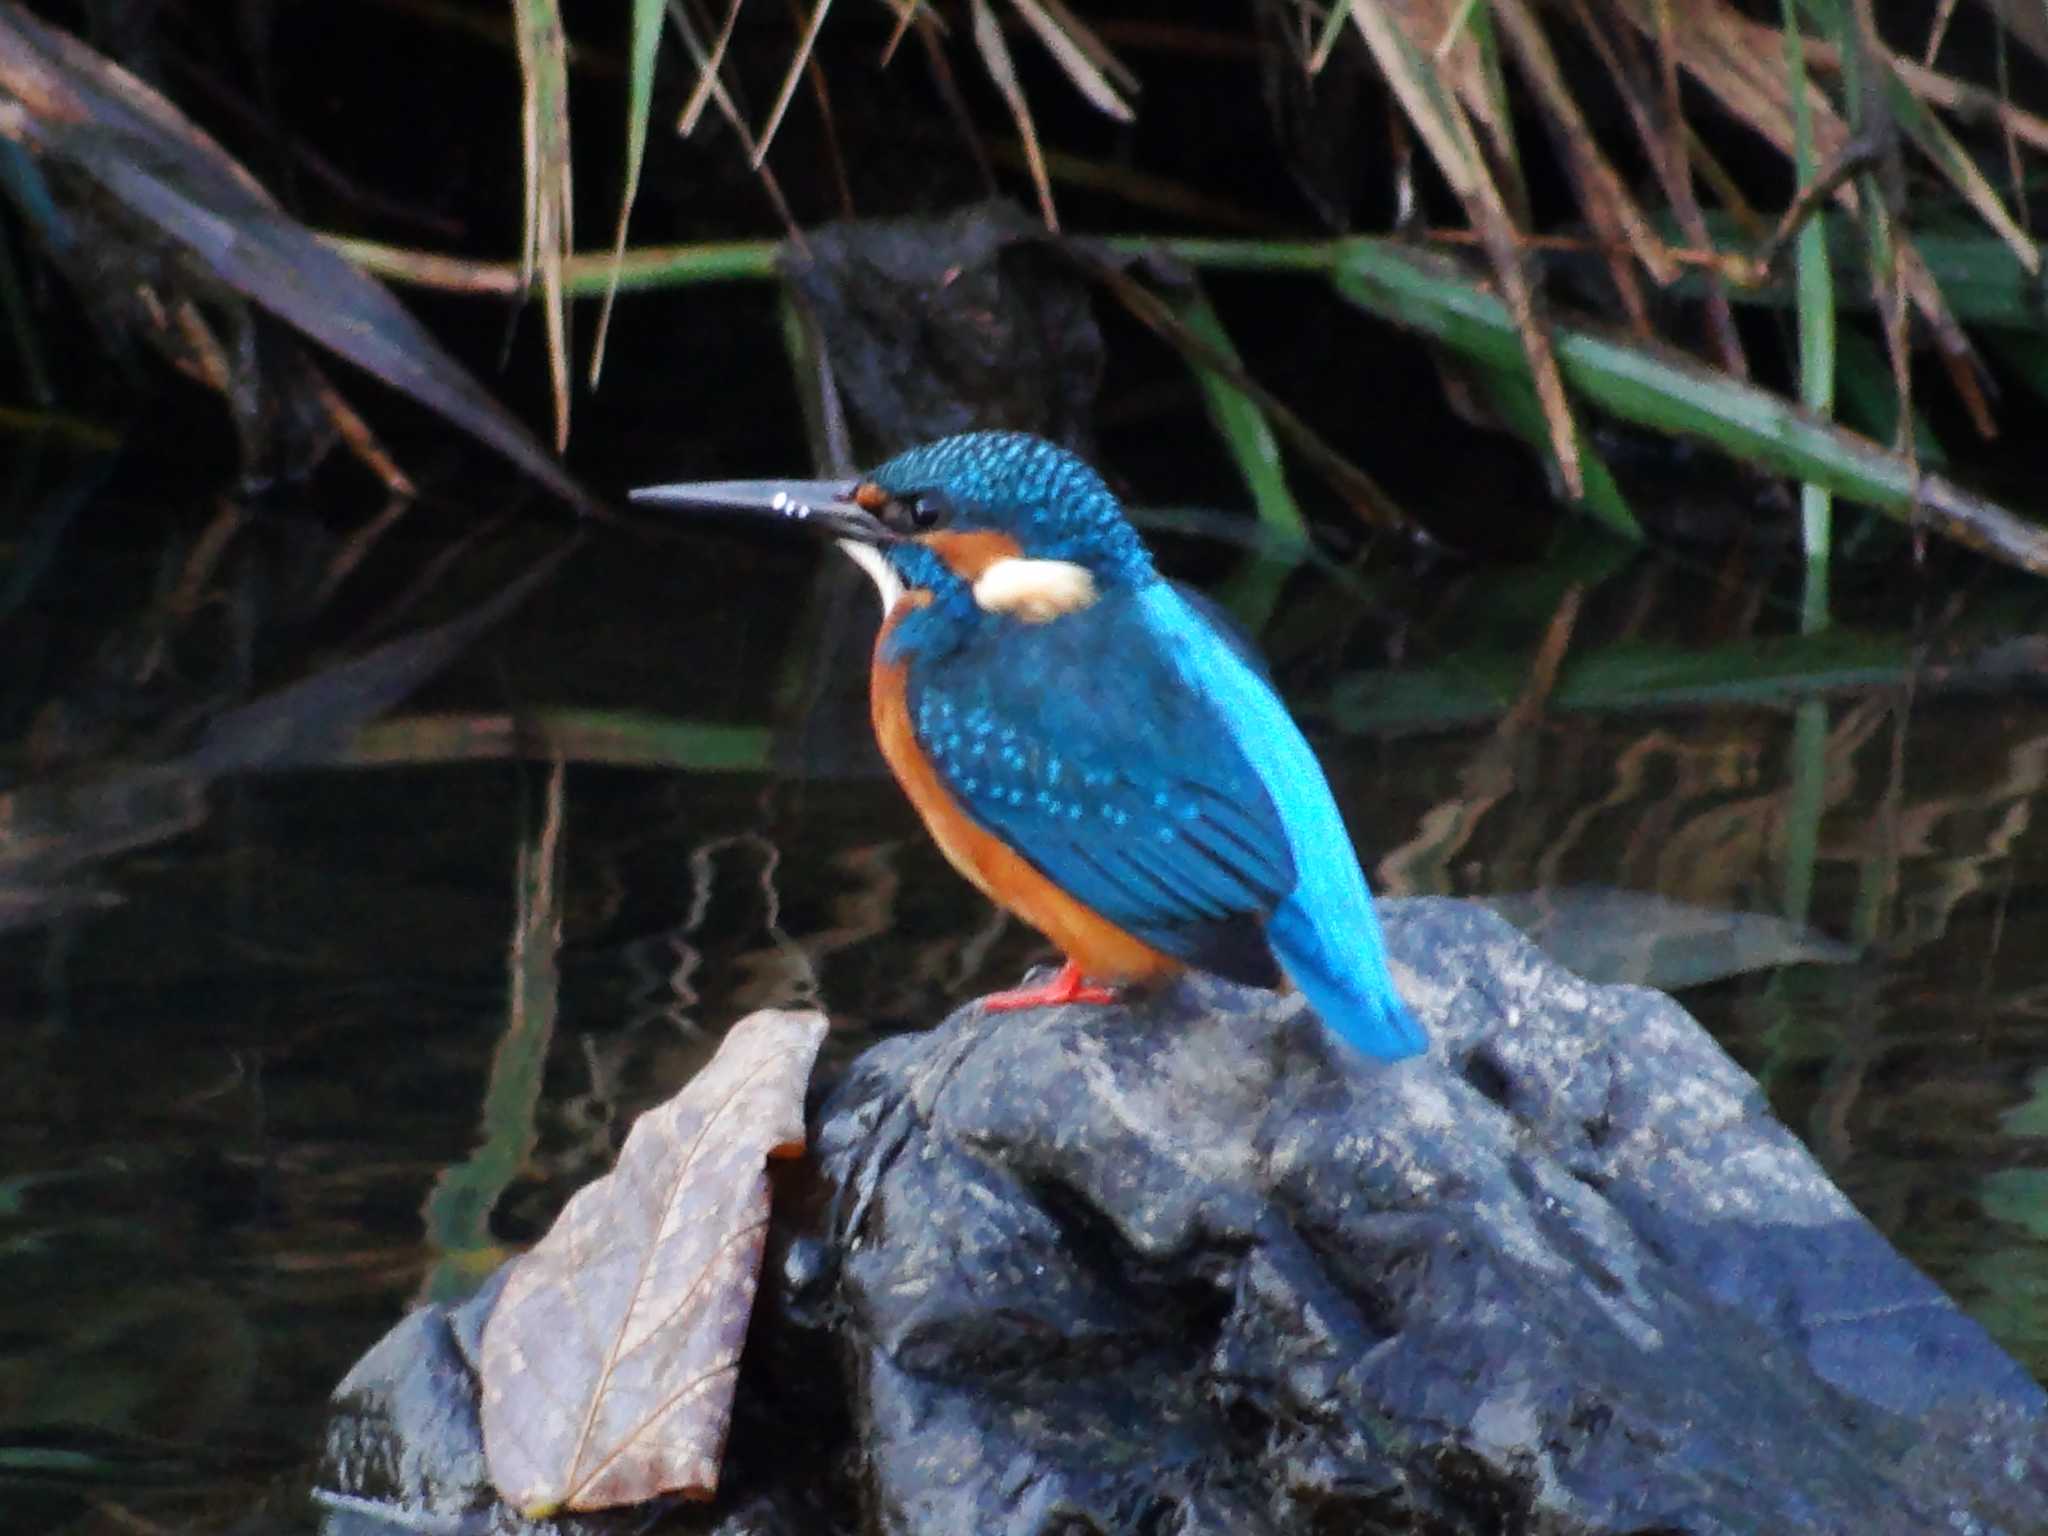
[609, 1361]
[1079, 54]
[1648, 87]
[790, 81]
[1441, 121]
[1090, 44]
[549, 207]
[1738, 61]
[1002, 70]
[1603, 197]
[707, 66]
[707, 74]
[1441, 30]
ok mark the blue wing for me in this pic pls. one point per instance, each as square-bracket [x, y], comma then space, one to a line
[1082, 746]
[1325, 933]
[1137, 757]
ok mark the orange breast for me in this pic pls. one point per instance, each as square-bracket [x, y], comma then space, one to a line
[1105, 952]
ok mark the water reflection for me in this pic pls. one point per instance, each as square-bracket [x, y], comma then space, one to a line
[255, 984]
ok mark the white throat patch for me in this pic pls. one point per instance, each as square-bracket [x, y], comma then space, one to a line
[876, 564]
[1036, 591]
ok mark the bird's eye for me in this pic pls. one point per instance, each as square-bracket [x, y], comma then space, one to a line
[914, 512]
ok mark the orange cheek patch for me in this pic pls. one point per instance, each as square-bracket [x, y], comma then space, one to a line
[970, 554]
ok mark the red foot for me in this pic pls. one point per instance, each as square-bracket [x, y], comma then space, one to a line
[1067, 987]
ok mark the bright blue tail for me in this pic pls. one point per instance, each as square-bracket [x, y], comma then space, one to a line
[1344, 976]
[1325, 933]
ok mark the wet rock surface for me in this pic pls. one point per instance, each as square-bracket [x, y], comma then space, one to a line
[1191, 1267]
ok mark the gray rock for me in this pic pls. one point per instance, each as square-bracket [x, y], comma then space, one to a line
[1193, 1267]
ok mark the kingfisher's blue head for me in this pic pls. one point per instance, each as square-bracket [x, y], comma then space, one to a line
[998, 523]
[982, 528]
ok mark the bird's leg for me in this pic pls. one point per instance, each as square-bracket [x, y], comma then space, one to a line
[1067, 987]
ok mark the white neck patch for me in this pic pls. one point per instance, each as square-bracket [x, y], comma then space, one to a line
[1035, 591]
[870, 559]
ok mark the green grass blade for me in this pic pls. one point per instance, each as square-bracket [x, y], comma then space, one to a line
[1984, 283]
[1326, 40]
[1461, 18]
[647, 20]
[1814, 282]
[1517, 405]
[1659, 388]
[616, 738]
[1864, 379]
[1240, 422]
[550, 220]
[1476, 685]
[1253, 591]
[186, 196]
[651, 266]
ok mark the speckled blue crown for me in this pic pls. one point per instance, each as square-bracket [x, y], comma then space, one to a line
[1051, 502]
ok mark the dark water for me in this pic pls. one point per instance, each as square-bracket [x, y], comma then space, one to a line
[250, 1017]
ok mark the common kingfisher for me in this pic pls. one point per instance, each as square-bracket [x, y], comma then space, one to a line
[1084, 742]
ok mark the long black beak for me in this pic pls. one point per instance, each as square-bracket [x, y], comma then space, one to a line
[825, 507]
